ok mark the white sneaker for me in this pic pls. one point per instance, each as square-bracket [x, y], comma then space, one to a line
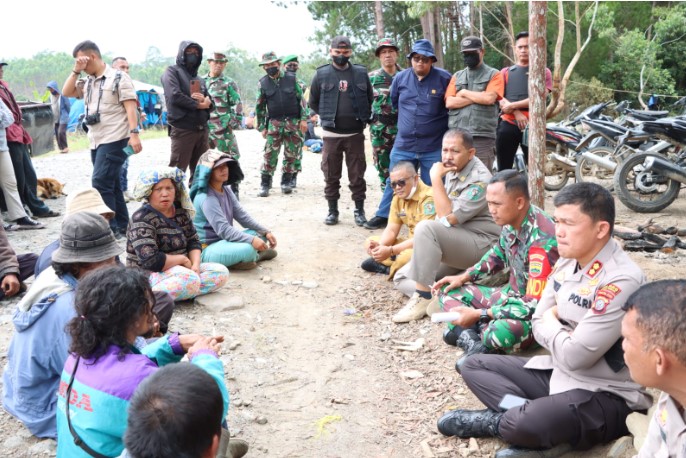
[415, 309]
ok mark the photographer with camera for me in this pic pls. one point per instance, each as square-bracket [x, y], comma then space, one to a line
[112, 122]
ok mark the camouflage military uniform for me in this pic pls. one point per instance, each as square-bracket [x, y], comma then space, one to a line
[284, 132]
[530, 255]
[226, 115]
[384, 124]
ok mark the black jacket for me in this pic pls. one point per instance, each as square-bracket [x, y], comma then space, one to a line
[182, 109]
[324, 95]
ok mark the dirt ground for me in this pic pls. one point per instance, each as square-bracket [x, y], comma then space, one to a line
[309, 354]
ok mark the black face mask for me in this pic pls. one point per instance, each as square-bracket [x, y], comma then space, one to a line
[292, 68]
[192, 60]
[341, 60]
[471, 59]
[273, 71]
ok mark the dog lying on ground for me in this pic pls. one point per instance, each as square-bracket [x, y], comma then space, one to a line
[49, 188]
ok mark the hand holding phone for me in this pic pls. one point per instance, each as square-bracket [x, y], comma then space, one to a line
[510, 401]
[195, 86]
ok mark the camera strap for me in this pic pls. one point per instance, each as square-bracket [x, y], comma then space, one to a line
[77, 439]
[90, 93]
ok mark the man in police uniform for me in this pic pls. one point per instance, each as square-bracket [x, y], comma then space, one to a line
[472, 97]
[384, 126]
[227, 112]
[463, 230]
[281, 112]
[654, 332]
[580, 394]
[527, 245]
[413, 202]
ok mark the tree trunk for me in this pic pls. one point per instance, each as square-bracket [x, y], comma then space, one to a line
[537, 94]
[432, 32]
[378, 15]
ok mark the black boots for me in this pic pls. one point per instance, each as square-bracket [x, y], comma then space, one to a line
[265, 185]
[377, 222]
[294, 180]
[470, 423]
[286, 180]
[471, 343]
[370, 265]
[332, 217]
[360, 219]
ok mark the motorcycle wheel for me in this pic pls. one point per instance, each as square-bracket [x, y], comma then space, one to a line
[555, 176]
[641, 191]
[587, 171]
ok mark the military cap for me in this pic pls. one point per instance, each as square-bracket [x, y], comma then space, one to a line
[471, 44]
[289, 58]
[3, 64]
[218, 57]
[385, 43]
[341, 42]
[268, 58]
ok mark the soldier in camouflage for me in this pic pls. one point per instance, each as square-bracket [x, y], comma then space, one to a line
[291, 64]
[527, 245]
[281, 113]
[227, 113]
[384, 124]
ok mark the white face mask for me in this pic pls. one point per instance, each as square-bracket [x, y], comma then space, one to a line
[414, 189]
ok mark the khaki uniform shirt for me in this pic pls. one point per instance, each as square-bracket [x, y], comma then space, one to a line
[589, 303]
[114, 124]
[467, 191]
[413, 210]
[667, 431]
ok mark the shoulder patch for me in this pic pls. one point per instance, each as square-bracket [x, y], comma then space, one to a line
[475, 192]
[600, 306]
[429, 208]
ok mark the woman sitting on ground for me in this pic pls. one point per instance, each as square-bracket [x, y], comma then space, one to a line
[161, 238]
[113, 307]
[216, 208]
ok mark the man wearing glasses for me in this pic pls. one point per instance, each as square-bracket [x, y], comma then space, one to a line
[418, 93]
[341, 94]
[472, 98]
[463, 230]
[412, 202]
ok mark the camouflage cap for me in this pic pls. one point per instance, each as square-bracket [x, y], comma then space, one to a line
[269, 57]
[385, 43]
[218, 57]
[289, 58]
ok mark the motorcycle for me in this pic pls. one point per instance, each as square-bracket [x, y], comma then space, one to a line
[647, 182]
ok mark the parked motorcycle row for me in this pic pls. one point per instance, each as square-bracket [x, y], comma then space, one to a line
[640, 154]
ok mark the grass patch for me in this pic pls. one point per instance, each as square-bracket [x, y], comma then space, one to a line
[79, 141]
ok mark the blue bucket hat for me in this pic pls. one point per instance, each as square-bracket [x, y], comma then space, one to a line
[423, 47]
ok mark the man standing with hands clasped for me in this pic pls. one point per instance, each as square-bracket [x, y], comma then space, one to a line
[112, 121]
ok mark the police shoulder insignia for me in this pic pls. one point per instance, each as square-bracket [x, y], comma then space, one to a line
[429, 208]
[594, 269]
[475, 192]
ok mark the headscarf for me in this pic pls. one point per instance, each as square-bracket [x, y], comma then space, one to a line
[149, 178]
[203, 171]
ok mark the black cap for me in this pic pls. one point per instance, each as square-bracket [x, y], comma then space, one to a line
[471, 44]
[3, 63]
[341, 42]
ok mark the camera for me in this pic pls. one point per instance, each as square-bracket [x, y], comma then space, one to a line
[92, 119]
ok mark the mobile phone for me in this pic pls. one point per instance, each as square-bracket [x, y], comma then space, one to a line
[510, 401]
[445, 317]
[195, 86]
[128, 149]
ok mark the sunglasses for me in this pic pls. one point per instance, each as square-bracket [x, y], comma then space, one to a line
[398, 184]
[422, 59]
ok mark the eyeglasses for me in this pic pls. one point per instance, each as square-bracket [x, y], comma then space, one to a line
[399, 183]
[422, 59]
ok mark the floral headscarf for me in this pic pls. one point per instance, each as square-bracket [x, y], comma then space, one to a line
[149, 178]
[203, 171]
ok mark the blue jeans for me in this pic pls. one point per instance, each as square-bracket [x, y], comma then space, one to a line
[230, 253]
[26, 178]
[422, 161]
[107, 162]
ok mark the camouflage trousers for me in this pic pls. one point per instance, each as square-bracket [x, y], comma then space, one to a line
[298, 164]
[382, 139]
[507, 334]
[226, 143]
[287, 133]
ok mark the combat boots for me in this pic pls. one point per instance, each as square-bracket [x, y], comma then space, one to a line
[286, 183]
[294, 180]
[470, 423]
[265, 185]
[332, 217]
[471, 343]
[360, 219]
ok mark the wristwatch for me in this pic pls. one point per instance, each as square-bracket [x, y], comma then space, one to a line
[484, 318]
[134, 131]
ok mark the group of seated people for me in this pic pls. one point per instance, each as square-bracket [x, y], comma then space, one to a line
[571, 289]
[90, 329]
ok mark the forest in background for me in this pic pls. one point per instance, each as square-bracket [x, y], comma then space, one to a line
[634, 47]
